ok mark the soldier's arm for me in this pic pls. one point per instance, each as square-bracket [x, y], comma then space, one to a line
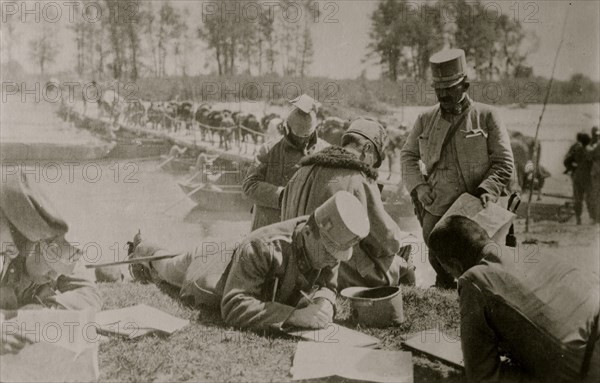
[328, 282]
[501, 157]
[385, 236]
[75, 292]
[255, 187]
[243, 303]
[479, 343]
[409, 158]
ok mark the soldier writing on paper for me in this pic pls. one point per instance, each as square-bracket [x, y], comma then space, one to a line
[36, 262]
[262, 283]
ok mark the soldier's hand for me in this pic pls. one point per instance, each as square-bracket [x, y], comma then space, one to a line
[12, 343]
[486, 198]
[317, 315]
[425, 194]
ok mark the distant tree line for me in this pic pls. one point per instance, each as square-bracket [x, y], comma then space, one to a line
[136, 38]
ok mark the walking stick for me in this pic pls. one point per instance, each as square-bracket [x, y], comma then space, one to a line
[536, 154]
[133, 261]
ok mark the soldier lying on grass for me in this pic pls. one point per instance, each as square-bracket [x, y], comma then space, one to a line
[37, 265]
[261, 285]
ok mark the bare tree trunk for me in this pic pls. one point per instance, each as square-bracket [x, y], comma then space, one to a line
[218, 49]
[260, 56]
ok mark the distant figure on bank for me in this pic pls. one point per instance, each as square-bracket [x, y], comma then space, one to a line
[383, 257]
[578, 164]
[594, 156]
[542, 313]
[260, 284]
[464, 149]
[276, 161]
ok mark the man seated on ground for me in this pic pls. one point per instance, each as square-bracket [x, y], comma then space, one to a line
[539, 310]
[382, 258]
[260, 285]
[36, 262]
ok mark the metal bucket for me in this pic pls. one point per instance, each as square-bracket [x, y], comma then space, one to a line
[377, 306]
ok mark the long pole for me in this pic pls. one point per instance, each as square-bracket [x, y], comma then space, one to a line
[536, 151]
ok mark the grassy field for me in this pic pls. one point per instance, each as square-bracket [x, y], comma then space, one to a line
[207, 350]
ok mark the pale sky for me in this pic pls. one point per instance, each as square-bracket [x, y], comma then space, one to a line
[340, 45]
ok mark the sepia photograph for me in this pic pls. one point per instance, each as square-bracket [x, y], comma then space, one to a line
[389, 191]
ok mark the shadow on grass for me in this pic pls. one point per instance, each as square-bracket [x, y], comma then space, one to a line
[206, 315]
[210, 316]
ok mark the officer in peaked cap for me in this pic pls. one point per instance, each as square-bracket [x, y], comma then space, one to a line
[276, 161]
[262, 284]
[448, 68]
[464, 148]
[342, 223]
[37, 263]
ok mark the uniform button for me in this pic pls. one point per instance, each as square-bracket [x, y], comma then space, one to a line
[12, 271]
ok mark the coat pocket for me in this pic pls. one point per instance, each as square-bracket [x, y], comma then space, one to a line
[476, 148]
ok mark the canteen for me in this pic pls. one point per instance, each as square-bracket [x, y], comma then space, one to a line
[376, 306]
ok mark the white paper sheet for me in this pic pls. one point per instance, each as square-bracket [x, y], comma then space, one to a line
[65, 347]
[138, 320]
[439, 345]
[494, 219]
[336, 334]
[318, 360]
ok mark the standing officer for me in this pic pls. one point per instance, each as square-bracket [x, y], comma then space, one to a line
[464, 149]
[259, 285]
[276, 161]
[594, 156]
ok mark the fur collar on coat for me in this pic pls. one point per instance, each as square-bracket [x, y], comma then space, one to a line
[338, 157]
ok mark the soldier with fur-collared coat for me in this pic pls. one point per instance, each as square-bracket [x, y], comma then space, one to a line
[383, 257]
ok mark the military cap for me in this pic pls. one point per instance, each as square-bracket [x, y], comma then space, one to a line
[342, 221]
[302, 120]
[372, 131]
[448, 68]
[306, 104]
[34, 217]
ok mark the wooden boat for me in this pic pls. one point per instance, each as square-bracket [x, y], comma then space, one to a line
[139, 148]
[214, 197]
[177, 165]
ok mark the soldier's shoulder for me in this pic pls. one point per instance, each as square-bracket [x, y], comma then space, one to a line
[269, 146]
[484, 109]
[273, 142]
[280, 231]
[429, 112]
